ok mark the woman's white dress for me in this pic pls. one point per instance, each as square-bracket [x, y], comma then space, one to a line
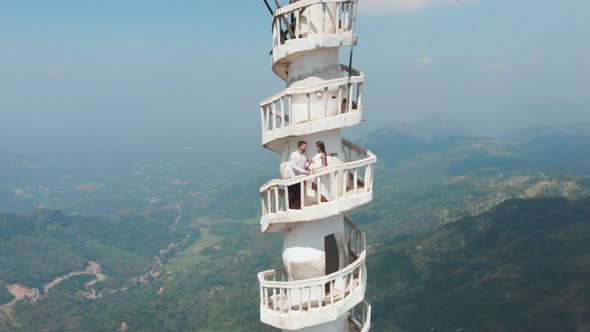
[324, 179]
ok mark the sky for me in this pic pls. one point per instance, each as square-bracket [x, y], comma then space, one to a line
[79, 68]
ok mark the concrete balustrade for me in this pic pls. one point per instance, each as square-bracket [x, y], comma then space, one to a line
[318, 299]
[328, 105]
[349, 184]
[359, 318]
[309, 25]
[303, 19]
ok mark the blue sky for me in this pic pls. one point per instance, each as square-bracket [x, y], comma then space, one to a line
[493, 65]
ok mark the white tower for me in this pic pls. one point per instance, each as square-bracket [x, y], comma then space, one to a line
[322, 286]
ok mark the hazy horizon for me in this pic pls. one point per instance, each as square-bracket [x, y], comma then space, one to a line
[151, 71]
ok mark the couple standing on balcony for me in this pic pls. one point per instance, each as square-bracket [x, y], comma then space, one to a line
[302, 165]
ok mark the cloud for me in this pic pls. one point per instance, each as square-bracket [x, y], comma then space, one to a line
[380, 7]
[424, 62]
[496, 68]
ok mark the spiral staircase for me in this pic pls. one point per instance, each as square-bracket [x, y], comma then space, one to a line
[322, 286]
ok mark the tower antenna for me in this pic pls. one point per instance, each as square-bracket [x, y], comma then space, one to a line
[268, 7]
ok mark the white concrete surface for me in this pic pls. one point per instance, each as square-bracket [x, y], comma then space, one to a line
[324, 252]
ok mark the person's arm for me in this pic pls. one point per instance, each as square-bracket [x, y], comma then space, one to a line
[297, 167]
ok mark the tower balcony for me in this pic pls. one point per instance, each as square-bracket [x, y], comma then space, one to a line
[292, 305]
[359, 318]
[345, 187]
[301, 111]
[308, 25]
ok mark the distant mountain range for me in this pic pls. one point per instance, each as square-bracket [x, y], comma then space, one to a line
[467, 234]
[559, 148]
[523, 266]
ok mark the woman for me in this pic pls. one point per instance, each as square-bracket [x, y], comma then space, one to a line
[318, 161]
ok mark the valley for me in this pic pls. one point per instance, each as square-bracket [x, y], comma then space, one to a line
[174, 243]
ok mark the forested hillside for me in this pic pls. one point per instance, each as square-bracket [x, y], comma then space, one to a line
[467, 234]
[523, 266]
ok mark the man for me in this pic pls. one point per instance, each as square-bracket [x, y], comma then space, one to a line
[298, 164]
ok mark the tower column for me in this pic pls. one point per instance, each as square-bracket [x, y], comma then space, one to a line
[323, 282]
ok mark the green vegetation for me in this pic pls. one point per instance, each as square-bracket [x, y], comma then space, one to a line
[35, 261]
[41, 246]
[523, 266]
[432, 181]
[217, 294]
[403, 211]
[466, 234]
[5, 295]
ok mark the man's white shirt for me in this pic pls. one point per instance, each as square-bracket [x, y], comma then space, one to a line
[298, 162]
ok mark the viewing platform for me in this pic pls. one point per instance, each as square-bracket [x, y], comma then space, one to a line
[359, 318]
[350, 185]
[311, 24]
[329, 105]
[298, 304]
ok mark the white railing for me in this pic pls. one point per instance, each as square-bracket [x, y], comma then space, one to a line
[324, 100]
[345, 180]
[304, 18]
[280, 295]
[355, 238]
[360, 317]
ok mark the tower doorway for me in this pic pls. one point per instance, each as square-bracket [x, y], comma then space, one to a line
[332, 254]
